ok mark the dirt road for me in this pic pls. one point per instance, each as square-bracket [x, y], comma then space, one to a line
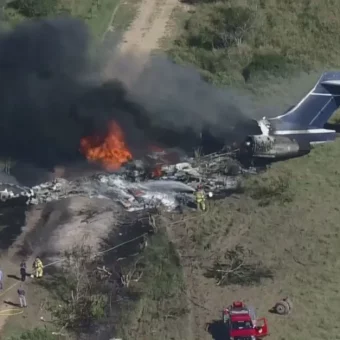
[149, 26]
[140, 40]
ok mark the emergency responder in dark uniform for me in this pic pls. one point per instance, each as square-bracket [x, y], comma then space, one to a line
[23, 271]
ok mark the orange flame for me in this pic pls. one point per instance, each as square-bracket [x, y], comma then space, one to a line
[111, 152]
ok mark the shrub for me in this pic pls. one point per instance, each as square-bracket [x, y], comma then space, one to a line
[219, 28]
[263, 65]
[268, 188]
[36, 334]
[35, 8]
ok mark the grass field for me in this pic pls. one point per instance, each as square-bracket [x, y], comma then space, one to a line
[288, 219]
[100, 15]
[245, 42]
[97, 13]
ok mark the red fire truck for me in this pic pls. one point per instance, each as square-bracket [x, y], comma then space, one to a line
[242, 324]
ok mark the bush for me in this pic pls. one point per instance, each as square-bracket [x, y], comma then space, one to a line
[212, 36]
[160, 291]
[36, 334]
[221, 28]
[259, 39]
[263, 65]
[269, 188]
[35, 8]
[82, 299]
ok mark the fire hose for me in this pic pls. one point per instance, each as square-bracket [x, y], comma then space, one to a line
[9, 288]
[17, 311]
[11, 312]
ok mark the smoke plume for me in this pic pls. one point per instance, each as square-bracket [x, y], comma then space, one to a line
[51, 95]
[177, 97]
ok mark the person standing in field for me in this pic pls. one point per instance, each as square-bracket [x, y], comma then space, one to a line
[1, 282]
[22, 296]
[23, 271]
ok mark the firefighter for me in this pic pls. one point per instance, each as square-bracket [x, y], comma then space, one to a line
[200, 198]
[38, 267]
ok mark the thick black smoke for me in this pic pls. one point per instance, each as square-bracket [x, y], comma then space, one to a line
[179, 103]
[51, 96]
[186, 100]
[47, 99]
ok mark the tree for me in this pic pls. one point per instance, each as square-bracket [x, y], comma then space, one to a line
[35, 8]
[83, 301]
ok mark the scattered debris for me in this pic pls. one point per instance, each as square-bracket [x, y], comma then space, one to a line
[283, 307]
[238, 266]
[139, 186]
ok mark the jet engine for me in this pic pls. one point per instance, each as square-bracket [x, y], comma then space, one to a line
[273, 147]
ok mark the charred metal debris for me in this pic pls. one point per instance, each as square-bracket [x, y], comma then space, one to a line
[143, 184]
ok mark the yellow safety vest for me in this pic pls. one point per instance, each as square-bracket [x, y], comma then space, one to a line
[199, 196]
[38, 264]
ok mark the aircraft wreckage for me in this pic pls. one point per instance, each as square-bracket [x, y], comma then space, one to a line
[135, 186]
[142, 184]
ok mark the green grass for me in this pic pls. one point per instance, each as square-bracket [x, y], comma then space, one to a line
[298, 239]
[98, 14]
[335, 118]
[242, 42]
[36, 334]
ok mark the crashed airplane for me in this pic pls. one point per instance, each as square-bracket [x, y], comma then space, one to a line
[135, 186]
[158, 179]
[293, 133]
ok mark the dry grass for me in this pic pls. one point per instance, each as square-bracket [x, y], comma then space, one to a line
[298, 240]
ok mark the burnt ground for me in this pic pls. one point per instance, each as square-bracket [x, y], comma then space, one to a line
[154, 303]
[49, 230]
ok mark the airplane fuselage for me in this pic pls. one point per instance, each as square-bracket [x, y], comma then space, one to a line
[292, 133]
[310, 134]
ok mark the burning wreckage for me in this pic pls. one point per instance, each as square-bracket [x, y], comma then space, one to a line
[140, 184]
[164, 177]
